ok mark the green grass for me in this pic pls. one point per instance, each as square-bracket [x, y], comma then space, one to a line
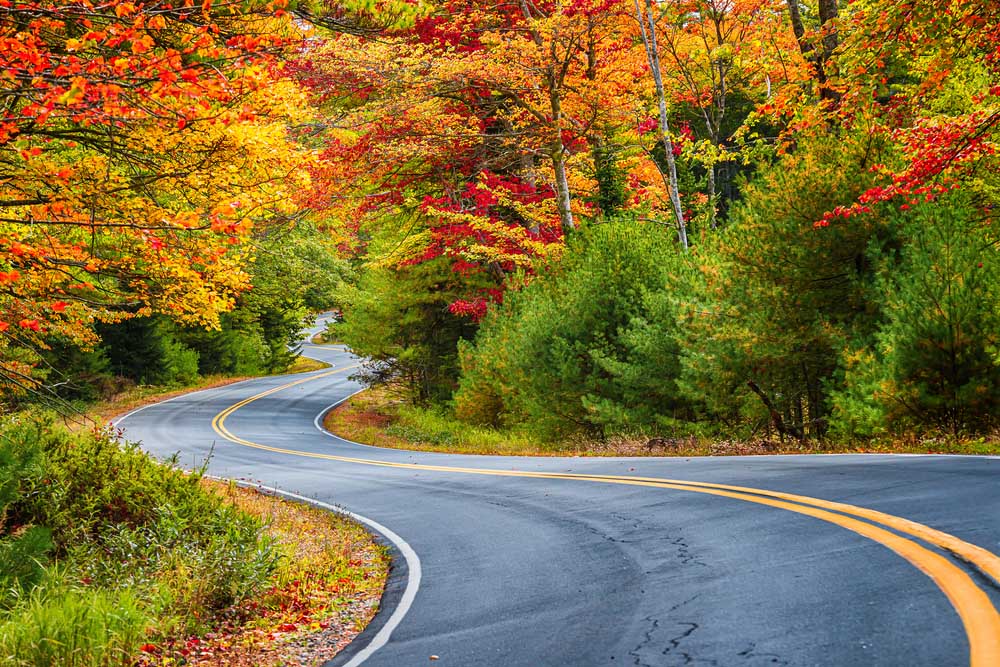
[326, 338]
[306, 365]
[437, 430]
[374, 417]
[121, 521]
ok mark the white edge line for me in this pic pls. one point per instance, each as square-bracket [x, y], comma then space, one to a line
[414, 573]
[318, 420]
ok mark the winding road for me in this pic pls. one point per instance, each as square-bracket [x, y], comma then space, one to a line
[515, 561]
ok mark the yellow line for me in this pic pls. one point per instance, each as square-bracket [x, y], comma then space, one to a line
[979, 616]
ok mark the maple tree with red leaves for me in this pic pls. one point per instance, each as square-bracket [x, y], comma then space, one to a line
[479, 127]
[899, 61]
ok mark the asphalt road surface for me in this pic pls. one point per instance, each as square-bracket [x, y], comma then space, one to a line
[536, 562]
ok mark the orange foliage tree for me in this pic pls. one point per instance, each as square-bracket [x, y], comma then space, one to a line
[478, 131]
[140, 143]
[925, 77]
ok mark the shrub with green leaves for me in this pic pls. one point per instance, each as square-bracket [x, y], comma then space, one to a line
[935, 361]
[568, 352]
[124, 522]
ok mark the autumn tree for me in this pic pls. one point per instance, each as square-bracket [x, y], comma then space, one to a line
[139, 147]
[723, 61]
[924, 75]
[479, 128]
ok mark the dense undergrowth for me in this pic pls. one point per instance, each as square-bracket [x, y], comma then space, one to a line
[875, 334]
[107, 555]
[381, 418]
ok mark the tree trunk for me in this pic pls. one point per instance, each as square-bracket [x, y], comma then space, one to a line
[776, 418]
[799, 419]
[828, 11]
[528, 174]
[798, 28]
[563, 203]
[653, 55]
[526, 168]
[711, 196]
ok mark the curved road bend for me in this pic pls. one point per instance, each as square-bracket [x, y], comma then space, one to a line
[540, 562]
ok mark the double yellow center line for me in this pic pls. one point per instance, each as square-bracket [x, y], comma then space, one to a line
[979, 616]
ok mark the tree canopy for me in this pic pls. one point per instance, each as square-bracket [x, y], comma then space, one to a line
[787, 164]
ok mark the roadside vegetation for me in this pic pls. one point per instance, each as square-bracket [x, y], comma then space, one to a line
[874, 338]
[109, 558]
[138, 358]
[796, 249]
[382, 418]
[328, 336]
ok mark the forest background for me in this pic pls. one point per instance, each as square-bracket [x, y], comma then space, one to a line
[595, 217]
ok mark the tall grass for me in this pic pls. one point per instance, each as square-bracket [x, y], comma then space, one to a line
[73, 628]
[435, 428]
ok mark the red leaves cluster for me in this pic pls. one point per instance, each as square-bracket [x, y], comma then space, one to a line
[109, 64]
[476, 307]
[939, 149]
[454, 29]
[452, 239]
[934, 151]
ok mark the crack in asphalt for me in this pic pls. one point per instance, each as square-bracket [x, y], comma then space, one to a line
[605, 535]
[648, 639]
[636, 523]
[672, 644]
[684, 552]
[675, 644]
[506, 506]
[771, 658]
[671, 650]
[686, 602]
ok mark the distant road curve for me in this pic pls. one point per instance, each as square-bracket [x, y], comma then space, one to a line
[510, 561]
